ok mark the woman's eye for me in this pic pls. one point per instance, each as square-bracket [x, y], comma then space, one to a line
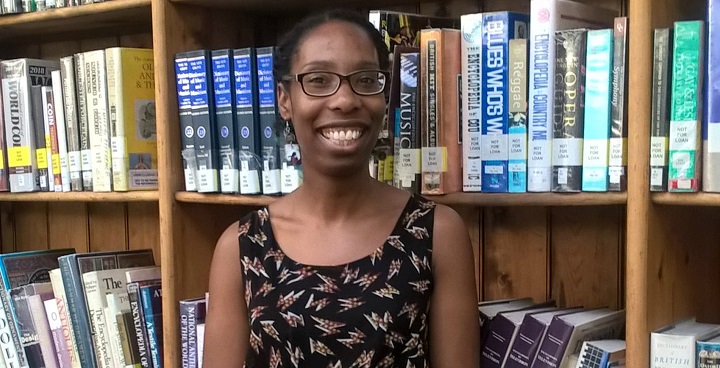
[316, 79]
[368, 80]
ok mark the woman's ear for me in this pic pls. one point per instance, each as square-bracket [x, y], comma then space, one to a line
[284, 103]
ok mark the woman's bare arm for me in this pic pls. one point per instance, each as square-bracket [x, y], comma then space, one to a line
[454, 324]
[226, 326]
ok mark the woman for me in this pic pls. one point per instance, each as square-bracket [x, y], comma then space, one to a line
[345, 271]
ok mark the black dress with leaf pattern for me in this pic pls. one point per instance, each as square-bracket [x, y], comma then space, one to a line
[372, 312]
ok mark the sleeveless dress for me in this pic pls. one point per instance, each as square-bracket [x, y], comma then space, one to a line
[372, 312]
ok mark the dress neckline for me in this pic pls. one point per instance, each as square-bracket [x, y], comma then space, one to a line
[270, 233]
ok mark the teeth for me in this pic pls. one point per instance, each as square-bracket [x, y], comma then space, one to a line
[342, 136]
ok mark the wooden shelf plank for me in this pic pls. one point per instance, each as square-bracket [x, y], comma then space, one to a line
[687, 199]
[116, 17]
[144, 196]
[469, 199]
[270, 7]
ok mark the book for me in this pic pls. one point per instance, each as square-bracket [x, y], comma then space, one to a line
[187, 131]
[617, 177]
[83, 125]
[96, 104]
[489, 309]
[18, 76]
[471, 79]
[43, 151]
[568, 118]
[598, 93]
[60, 165]
[270, 127]
[69, 96]
[32, 325]
[131, 100]
[686, 106]
[192, 313]
[248, 120]
[203, 120]
[223, 78]
[708, 352]
[517, 129]
[407, 165]
[439, 115]
[602, 354]
[674, 345]
[660, 110]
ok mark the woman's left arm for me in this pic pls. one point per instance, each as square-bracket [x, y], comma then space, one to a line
[454, 323]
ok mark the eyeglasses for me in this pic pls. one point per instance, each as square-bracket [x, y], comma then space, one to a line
[323, 83]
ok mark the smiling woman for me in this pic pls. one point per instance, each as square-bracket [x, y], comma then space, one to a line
[345, 271]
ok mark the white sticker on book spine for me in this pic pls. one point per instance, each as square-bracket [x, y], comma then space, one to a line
[75, 163]
[683, 135]
[409, 162]
[658, 151]
[656, 177]
[713, 133]
[250, 182]
[617, 151]
[567, 151]
[271, 181]
[563, 176]
[434, 159]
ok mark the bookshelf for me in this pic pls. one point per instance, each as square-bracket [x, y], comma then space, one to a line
[636, 250]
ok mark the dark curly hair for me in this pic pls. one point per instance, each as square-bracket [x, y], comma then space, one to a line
[289, 43]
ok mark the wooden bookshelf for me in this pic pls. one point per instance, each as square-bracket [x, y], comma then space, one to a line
[686, 199]
[269, 7]
[84, 21]
[145, 196]
[454, 199]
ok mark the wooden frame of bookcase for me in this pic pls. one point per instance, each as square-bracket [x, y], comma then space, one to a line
[632, 250]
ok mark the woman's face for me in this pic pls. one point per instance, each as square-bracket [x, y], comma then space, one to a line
[336, 133]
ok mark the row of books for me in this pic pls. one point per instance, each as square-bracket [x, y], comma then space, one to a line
[85, 122]
[520, 333]
[686, 343]
[231, 136]
[503, 144]
[64, 309]
[28, 6]
[685, 138]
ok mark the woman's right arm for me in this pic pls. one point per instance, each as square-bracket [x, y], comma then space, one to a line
[226, 324]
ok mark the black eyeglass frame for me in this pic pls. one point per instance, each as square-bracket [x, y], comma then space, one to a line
[299, 77]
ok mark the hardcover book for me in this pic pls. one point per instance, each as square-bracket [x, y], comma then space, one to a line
[248, 120]
[617, 177]
[711, 122]
[660, 110]
[187, 131]
[686, 107]
[674, 346]
[223, 80]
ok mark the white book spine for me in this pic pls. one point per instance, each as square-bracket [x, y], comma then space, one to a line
[118, 148]
[95, 299]
[672, 351]
[471, 49]
[83, 127]
[61, 129]
[19, 130]
[97, 114]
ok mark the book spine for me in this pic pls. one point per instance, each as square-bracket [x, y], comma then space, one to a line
[77, 311]
[189, 318]
[708, 354]
[408, 132]
[203, 117]
[54, 148]
[543, 24]
[83, 125]
[36, 305]
[441, 150]
[568, 111]
[269, 125]
[42, 138]
[471, 52]
[524, 349]
[660, 110]
[67, 331]
[118, 146]
[517, 130]
[56, 328]
[143, 345]
[4, 182]
[187, 135]
[496, 345]
[225, 117]
[617, 170]
[19, 130]
[67, 72]
[11, 349]
[26, 329]
[672, 351]
[61, 130]
[151, 297]
[246, 108]
[711, 122]
[686, 107]
[553, 346]
[597, 110]
[94, 296]
[97, 112]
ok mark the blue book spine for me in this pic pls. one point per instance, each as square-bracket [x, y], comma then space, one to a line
[151, 297]
[269, 122]
[711, 121]
[72, 280]
[203, 117]
[187, 131]
[223, 85]
[598, 90]
[248, 120]
[498, 29]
